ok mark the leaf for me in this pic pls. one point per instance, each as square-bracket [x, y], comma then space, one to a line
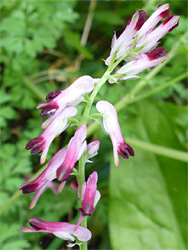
[148, 192]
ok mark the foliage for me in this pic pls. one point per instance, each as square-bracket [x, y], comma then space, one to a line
[40, 52]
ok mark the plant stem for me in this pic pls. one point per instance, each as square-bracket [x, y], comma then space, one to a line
[171, 153]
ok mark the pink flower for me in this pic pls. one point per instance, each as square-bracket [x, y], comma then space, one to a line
[111, 126]
[44, 180]
[144, 61]
[122, 44]
[92, 149]
[90, 197]
[76, 147]
[150, 40]
[62, 230]
[56, 127]
[161, 12]
[73, 95]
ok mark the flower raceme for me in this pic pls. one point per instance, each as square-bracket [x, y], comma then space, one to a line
[137, 45]
[56, 127]
[111, 127]
[63, 230]
[140, 33]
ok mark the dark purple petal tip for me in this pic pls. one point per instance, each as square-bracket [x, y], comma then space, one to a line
[52, 95]
[48, 110]
[32, 142]
[165, 13]
[29, 188]
[156, 53]
[125, 150]
[37, 223]
[141, 19]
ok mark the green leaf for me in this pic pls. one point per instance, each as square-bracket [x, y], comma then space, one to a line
[148, 192]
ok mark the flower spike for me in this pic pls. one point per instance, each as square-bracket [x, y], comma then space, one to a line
[62, 230]
[111, 127]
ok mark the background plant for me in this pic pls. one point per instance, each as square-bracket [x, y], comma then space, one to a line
[42, 49]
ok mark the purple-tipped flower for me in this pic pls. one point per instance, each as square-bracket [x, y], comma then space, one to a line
[161, 12]
[76, 147]
[44, 180]
[123, 43]
[73, 95]
[63, 230]
[56, 127]
[112, 128]
[150, 40]
[144, 61]
[90, 197]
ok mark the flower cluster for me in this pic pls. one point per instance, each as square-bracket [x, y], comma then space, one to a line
[137, 45]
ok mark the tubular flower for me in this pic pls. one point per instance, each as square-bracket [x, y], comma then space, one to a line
[145, 60]
[62, 230]
[90, 197]
[123, 43]
[150, 40]
[44, 180]
[56, 127]
[92, 149]
[111, 126]
[76, 147]
[73, 95]
[161, 12]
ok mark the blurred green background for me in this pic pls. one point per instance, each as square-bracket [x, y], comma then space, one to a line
[45, 46]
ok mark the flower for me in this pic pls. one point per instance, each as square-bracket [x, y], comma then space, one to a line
[111, 126]
[122, 44]
[90, 197]
[56, 127]
[149, 40]
[144, 61]
[62, 230]
[76, 147]
[73, 95]
[140, 34]
[44, 180]
[161, 12]
[92, 148]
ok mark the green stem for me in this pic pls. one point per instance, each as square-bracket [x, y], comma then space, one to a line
[33, 88]
[168, 152]
[159, 88]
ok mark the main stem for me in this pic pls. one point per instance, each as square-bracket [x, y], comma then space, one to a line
[85, 118]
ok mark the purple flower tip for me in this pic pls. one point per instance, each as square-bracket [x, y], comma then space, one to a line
[48, 110]
[141, 19]
[156, 53]
[36, 145]
[166, 11]
[125, 150]
[29, 188]
[52, 95]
